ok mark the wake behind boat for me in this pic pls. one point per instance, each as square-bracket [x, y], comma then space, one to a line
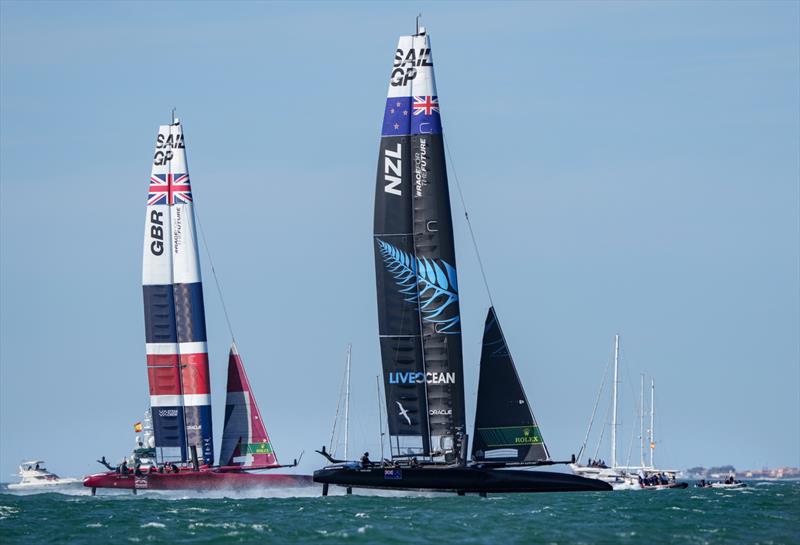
[177, 357]
[420, 324]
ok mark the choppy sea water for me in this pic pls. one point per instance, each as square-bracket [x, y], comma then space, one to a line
[762, 513]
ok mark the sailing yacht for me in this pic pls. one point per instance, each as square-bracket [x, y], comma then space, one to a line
[627, 477]
[420, 324]
[177, 356]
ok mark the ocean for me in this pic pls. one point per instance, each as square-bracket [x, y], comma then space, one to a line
[763, 513]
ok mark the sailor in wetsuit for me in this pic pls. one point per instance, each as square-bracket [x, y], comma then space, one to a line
[365, 461]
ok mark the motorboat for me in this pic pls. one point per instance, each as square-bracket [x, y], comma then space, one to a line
[34, 475]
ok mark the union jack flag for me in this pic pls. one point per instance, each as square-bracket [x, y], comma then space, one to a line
[425, 105]
[169, 189]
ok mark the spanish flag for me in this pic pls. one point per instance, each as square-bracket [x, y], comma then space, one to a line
[137, 427]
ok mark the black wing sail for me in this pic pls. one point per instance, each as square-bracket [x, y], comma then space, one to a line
[505, 429]
[418, 310]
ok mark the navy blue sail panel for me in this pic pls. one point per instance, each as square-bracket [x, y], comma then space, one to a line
[159, 314]
[190, 315]
[169, 430]
[505, 428]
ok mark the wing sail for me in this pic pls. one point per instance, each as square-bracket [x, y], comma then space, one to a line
[417, 287]
[177, 355]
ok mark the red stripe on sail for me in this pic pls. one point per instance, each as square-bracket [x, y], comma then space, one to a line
[164, 379]
[194, 373]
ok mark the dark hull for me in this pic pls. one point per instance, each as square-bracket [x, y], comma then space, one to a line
[457, 479]
[196, 480]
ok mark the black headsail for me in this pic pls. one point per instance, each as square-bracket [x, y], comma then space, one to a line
[505, 429]
[418, 310]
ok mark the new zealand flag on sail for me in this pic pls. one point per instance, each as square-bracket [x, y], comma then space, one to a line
[411, 115]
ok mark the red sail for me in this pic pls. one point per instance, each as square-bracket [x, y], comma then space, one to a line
[245, 442]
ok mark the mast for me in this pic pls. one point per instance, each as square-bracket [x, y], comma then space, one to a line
[652, 420]
[380, 418]
[641, 422]
[347, 404]
[614, 405]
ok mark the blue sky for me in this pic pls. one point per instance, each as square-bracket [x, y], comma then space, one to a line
[629, 168]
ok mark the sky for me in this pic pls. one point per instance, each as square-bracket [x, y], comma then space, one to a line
[629, 168]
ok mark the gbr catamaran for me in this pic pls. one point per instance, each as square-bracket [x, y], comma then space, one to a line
[420, 324]
[177, 356]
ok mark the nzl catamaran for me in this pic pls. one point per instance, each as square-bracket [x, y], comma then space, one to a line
[177, 356]
[420, 324]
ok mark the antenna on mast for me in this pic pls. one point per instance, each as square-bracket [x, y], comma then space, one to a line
[173, 116]
[418, 16]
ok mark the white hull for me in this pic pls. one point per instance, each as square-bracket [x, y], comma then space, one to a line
[55, 483]
[723, 485]
[34, 476]
[617, 478]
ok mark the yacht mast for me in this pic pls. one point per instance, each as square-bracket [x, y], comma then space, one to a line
[652, 420]
[614, 409]
[641, 423]
[347, 403]
[380, 418]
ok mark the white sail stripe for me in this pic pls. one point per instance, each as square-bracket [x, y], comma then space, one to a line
[157, 254]
[185, 262]
[423, 83]
[196, 400]
[249, 418]
[166, 401]
[168, 349]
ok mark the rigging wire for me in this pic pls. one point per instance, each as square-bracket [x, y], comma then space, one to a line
[602, 429]
[334, 446]
[466, 216]
[214, 273]
[594, 411]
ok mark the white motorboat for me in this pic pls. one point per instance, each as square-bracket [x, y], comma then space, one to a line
[737, 484]
[34, 475]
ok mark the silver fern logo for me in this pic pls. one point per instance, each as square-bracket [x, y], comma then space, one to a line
[432, 284]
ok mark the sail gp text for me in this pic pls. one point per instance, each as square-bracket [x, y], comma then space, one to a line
[164, 146]
[400, 377]
[406, 63]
